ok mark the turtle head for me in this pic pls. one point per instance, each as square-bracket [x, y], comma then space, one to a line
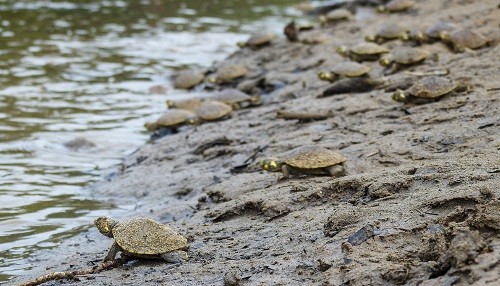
[241, 44]
[419, 37]
[322, 19]
[151, 126]
[444, 36]
[271, 165]
[404, 36]
[212, 79]
[370, 38]
[193, 121]
[170, 103]
[400, 96]
[342, 50]
[105, 225]
[325, 75]
[255, 100]
[384, 62]
[381, 9]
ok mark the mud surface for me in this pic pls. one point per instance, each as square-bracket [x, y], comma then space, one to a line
[419, 206]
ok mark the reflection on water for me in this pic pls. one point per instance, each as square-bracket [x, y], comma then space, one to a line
[84, 68]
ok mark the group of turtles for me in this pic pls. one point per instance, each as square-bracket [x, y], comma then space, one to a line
[427, 89]
[195, 111]
[147, 238]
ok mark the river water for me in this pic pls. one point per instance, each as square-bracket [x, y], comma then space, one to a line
[72, 69]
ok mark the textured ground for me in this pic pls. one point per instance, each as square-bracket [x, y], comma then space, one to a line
[422, 184]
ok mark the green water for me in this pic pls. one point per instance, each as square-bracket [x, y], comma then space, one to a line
[85, 68]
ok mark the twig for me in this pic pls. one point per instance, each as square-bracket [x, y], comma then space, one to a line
[73, 274]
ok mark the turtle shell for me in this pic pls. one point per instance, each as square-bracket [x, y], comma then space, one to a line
[350, 69]
[432, 87]
[260, 39]
[312, 157]
[188, 79]
[367, 48]
[144, 236]
[173, 117]
[467, 38]
[230, 72]
[435, 30]
[338, 14]
[213, 110]
[190, 104]
[391, 30]
[399, 5]
[406, 55]
[232, 96]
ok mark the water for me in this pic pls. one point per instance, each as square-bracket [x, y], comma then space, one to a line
[85, 68]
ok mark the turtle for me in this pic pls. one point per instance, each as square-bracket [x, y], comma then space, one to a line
[425, 90]
[347, 69]
[404, 56]
[291, 32]
[188, 79]
[364, 51]
[335, 16]
[190, 104]
[349, 85]
[435, 31]
[211, 110]
[389, 31]
[228, 73]
[172, 119]
[258, 40]
[236, 98]
[143, 238]
[463, 39]
[303, 116]
[396, 6]
[309, 159]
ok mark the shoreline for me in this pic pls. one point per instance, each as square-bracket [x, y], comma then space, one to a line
[423, 177]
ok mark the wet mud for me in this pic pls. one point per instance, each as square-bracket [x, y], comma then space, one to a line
[420, 204]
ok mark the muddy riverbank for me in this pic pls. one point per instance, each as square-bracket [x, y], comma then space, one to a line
[421, 186]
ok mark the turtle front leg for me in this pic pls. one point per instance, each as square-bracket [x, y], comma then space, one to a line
[113, 250]
[285, 171]
[336, 170]
[178, 256]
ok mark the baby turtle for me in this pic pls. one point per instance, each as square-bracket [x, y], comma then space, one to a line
[435, 31]
[211, 110]
[347, 69]
[404, 56]
[190, 104]
[144, 238]
[258, 40]
[188, 79]
[463, 39]
[396, 6]
[313, 160]
[363, 51]
[303, 116]
[350, 85]
[228, 73]
[236, 98]
[172, 119]
[426, 90]
[335, 16]
[389, 31]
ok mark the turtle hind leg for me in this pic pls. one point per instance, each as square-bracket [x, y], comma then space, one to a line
[113, 250]
[175, 256]
[285, 171]
[336, 171]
